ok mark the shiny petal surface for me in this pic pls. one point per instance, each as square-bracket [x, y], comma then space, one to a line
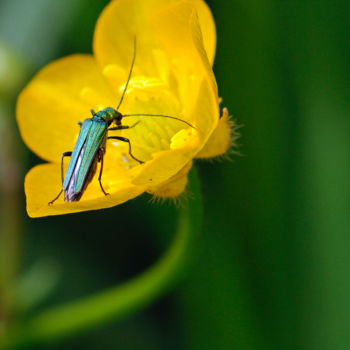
[207, 26]
[178, 30]
[174, 186]
[220, 140]
[123, 20]
[185, 144]
[59, 96]
[42, 185]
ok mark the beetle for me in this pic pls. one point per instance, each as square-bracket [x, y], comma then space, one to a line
[90, 146]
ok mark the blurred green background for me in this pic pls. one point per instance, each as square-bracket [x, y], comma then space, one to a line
[273, 268]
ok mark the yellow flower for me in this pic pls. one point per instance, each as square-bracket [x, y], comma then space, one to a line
[172, 75]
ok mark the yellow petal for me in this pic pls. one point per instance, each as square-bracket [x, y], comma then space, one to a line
[220, 141]
[184, 145]
[174, 186]
[119, 23]
[59, 96]
[42, 184]
[123, 20]
[178, 30]
[207, 25]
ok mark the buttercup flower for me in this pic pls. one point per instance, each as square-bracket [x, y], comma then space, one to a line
[172, 75]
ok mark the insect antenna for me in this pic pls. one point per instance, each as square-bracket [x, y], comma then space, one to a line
[158, 115]
[143, 114]
[130, 72]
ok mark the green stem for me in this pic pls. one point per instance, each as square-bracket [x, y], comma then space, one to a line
[118, 302]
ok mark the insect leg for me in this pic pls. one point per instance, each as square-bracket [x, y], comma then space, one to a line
[92, 112]
[122, 127]
[100, 159]
[55, 198]
[65, 154]
[124, 139]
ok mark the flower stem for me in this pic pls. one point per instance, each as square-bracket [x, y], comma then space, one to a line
[120, 301]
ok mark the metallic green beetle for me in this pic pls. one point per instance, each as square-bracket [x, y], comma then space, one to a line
[90, 147]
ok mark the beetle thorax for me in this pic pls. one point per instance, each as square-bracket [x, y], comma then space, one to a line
[109, 115]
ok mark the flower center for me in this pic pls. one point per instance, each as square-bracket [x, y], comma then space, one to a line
[150, 134]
